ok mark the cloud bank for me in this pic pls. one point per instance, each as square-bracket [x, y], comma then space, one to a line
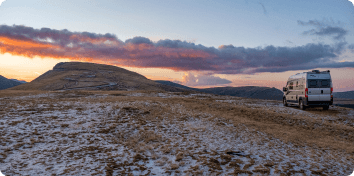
[171, 54]
[1, 1]
[190, 79]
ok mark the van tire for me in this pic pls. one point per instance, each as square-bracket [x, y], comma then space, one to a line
[325, 107]
[301, 105]
[284, 102]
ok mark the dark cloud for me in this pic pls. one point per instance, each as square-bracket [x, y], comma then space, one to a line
[52, 36]
[171, 54]
[338, 32]
[340, 46]
[184, 44]
[323, 29]
[351, 46]
[275, 59]
[309, 66]
[139, 40]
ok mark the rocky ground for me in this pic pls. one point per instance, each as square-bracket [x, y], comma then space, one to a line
[149, 133]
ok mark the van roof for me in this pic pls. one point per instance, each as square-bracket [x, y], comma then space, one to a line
[320, 75]
[318, 72]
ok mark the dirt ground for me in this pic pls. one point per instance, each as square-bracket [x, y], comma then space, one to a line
[151, 133]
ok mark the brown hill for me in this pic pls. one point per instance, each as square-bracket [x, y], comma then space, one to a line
[80, 75]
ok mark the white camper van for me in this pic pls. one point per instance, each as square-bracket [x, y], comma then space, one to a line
[309, 89]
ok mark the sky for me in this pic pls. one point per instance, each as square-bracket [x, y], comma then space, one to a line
[196, 43]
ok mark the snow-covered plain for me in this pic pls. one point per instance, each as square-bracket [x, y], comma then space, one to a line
[68, 134]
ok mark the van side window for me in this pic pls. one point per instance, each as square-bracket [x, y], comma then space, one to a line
[291, 85]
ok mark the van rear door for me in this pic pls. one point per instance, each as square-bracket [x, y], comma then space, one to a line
[325, 94]
[313, 90]
[319, 90]
[325, 88]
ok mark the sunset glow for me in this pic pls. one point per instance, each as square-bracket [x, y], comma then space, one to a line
[30, 49]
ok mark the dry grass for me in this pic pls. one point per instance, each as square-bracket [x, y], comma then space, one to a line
[8, 94]
[300, 129]
[147, 132]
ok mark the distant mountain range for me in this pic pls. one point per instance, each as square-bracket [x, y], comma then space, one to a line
[250, 91]
[79, 75]
[348, 95]
[18, 81]
[247, 91]
[8, 83]
[169, 83]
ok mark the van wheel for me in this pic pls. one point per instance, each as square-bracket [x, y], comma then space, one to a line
[284, 102]
[301, 105]
[326, 107]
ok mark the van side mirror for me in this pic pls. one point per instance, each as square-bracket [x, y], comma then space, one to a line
[285, 89]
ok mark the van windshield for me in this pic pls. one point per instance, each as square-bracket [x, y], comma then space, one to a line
[319, 83]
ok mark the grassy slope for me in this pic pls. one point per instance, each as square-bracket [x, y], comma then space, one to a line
[74, 75]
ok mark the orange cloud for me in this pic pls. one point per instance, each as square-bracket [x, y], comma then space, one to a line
[102, 50]
[176, 55]
[26, 48]
[23, 44]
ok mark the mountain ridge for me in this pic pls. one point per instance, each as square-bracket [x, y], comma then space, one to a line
[244, 91]
[20, 81]
[8, 83]
[347, 95]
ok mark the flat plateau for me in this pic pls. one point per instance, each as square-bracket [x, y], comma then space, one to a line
[163, 133]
